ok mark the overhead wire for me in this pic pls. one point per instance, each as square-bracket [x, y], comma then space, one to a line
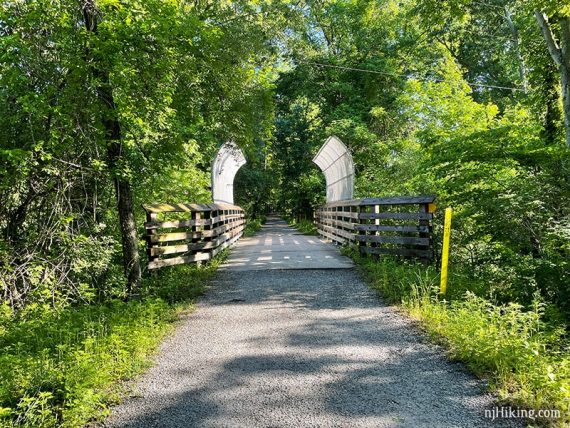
[364, 70]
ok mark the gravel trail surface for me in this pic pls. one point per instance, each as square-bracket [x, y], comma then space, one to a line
[300, 348]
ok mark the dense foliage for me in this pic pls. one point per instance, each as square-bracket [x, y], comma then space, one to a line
[132, 111]
[65, 368]
[459, 99]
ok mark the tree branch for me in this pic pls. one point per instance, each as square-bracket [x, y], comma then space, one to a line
[553, 47]
[515, 34]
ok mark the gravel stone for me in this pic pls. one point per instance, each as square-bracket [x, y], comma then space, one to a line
[301, 348]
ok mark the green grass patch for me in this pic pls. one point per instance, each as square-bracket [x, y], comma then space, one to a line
[252, 226]
[306, 227]
[64, 368]
[525, 357]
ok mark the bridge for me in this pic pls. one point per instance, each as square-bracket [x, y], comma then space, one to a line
[279, 246]
[289, 334]
[399, 226]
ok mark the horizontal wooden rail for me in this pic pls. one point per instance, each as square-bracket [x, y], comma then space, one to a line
[396, 225]
[209, 229]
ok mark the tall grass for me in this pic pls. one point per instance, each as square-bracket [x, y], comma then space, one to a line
[253, 226]
[306, 227]
[64, 368]
[525, 358]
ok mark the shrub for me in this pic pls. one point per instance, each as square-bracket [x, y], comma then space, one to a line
[64, 367]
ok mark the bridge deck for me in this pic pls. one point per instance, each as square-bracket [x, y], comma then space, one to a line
[278, 246]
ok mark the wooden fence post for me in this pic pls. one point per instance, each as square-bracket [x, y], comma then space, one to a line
[198, 237]
[150, 232]
[361, 243]
[424, 208]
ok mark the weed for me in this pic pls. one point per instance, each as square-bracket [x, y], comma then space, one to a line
[64, 367]
[252, 227]
[525, 356]
[307, 227]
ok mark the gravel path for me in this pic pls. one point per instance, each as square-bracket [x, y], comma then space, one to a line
[300, 348]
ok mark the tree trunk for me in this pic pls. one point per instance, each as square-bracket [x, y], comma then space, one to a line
[565, 73]
[124, 195]
[561, 57]
[131, 256]
[516, 42]
[553, 113]
[123, 191]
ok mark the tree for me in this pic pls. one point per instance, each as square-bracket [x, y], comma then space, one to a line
[108, 102]
[560, 53]
[115, 155]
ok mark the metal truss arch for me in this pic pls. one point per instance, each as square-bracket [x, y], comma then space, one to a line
[335, 161]
[225, 166]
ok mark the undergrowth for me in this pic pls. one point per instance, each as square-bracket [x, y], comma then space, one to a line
[253, 226]
[306, 227]
[524, 356]
[65, 367]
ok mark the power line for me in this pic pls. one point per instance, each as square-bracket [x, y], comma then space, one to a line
[363, 70]
[489, 5]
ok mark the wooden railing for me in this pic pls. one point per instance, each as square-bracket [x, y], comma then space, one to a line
[398, 226]
[197, 233]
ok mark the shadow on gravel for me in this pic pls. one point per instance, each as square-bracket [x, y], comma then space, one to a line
[327, 369]
[407, 387]
[269, 288]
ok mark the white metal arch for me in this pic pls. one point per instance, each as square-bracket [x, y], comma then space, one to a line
[335, 161]
[225, 166]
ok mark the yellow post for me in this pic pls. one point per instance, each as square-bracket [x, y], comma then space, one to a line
[445, 250]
